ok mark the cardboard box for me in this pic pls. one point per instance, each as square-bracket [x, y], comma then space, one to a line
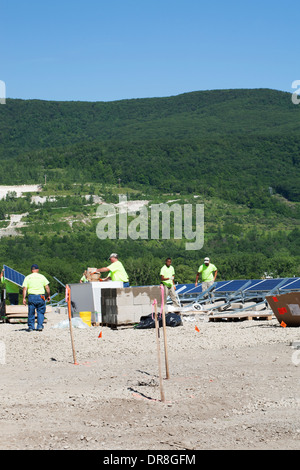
[91, 277]
[286, 308]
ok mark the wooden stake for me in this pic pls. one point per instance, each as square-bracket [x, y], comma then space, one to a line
[165, 342]
[162, 395]
[162, 289]
[68, 291]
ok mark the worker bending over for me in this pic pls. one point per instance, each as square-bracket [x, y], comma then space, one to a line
[116, 271]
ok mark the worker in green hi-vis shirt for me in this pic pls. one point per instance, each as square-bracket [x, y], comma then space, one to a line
[208, 273]
[167, 275]
[116, 271]
[12, 290]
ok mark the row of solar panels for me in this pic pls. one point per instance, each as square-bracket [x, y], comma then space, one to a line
[189, 291]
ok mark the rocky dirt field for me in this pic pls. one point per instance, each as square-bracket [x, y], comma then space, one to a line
[233, 385]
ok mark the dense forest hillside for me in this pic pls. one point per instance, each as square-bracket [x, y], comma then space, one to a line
[227, 143]
[235, 151]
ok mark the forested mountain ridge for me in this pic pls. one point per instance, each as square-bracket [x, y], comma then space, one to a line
[226, 142]
[39, 124]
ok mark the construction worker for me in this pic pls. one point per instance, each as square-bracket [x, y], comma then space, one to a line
[35, 285]
[83, 279]
[208, 272]
[116, 271]
[12, 290]
[167, 275]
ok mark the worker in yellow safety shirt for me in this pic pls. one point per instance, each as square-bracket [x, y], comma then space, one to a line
[35, 285]
[116, 271]
[12, 290]
[208, 273]
[167, 275]
[83, 279]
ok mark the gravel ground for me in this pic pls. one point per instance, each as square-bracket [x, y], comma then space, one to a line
[233, 385]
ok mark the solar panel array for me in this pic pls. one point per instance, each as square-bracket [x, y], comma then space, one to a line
[250, 285]
[13, 275]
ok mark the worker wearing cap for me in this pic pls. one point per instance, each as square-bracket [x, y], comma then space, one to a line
[167, 275]
[116, 271]
[35, 285]
[208, 272]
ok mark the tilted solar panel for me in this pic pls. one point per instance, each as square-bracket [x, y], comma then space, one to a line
[13, 275]
[264, 285]
[255, 284]
[292, 284]
[231, 286]
[190, 288]
[221, 284]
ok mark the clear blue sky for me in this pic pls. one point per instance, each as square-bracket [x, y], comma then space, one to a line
[96, 50]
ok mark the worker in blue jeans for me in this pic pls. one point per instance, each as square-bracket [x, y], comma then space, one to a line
[36, 303]
[36, 284]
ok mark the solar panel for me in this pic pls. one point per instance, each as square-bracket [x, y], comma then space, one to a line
[221, 285]
[193, 290]
[265, 285]
[181, 288]
[292, 284]
[188, 288]
[231, 286]
[13, 275]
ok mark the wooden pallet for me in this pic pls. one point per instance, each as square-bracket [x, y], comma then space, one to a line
[19, 318]
[19, 314]
[240, 316]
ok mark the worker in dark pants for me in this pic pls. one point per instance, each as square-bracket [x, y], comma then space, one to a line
[35, 285]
